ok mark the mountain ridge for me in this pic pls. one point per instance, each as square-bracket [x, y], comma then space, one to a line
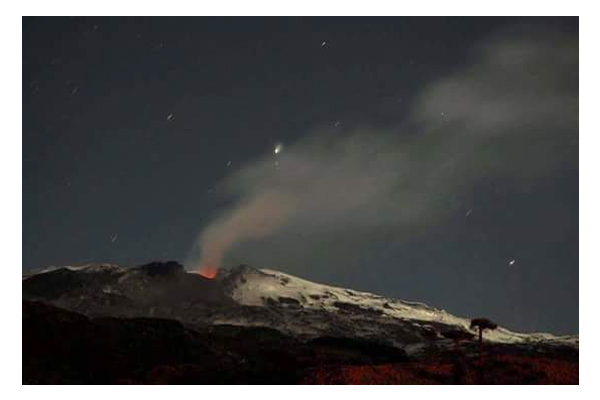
[248, 296]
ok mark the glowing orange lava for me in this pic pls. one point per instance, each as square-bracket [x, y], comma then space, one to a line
[208, 272]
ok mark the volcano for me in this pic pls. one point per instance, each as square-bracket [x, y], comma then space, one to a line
[208, 272]
[245, 308]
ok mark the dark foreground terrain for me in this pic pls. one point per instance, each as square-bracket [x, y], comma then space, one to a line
[64, 347]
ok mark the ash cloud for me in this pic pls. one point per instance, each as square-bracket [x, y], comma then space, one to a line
[512, 110]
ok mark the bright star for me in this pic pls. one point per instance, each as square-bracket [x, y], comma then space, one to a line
[511, 262]
[278, 148]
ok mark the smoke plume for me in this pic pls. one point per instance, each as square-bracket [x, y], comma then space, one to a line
[488, 118]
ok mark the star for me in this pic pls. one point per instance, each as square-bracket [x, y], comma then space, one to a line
[323, 43]
[114, 238]
[468, 212]
[278, 148]
[170, 117]
[511, 262]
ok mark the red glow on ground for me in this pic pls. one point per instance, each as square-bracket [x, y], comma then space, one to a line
[208, 272]
[500, 369]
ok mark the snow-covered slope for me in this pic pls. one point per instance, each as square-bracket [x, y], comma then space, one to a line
[248, 296]
[265, 286]
[90, 268]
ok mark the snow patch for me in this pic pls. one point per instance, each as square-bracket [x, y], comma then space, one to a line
[256, 288]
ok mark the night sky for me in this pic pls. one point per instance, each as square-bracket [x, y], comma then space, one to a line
[427, 159]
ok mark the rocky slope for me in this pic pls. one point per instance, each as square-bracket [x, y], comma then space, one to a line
[246, 296]
[63, 347]
[157, 323]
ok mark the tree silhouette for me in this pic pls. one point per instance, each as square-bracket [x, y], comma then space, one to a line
[482, 324]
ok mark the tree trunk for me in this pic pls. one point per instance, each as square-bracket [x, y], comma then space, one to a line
[480, 348]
